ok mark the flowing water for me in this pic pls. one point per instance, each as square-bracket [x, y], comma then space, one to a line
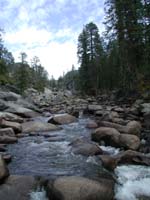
[133, 182]
[35, 155]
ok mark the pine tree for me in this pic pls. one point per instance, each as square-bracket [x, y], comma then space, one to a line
[89, 54]
[123, 23]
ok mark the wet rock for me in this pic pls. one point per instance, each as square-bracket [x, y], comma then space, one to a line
[86, 148]
[133, 157]
[17, 188]
[92, 124]
[14, 125]
[11, 117]
[7, 131]
[62, 119]
[3, 169]
[109, 135]
[37, 126]
[79, 188]
[109, 162]
[127, 157]
[134, 127]
[129, 141]
[8, 140]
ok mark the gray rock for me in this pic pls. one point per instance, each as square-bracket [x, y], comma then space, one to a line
[118, 127]
[79, 188]
[94, 108]
[37, 126]
[14, 125]
[109, 135]
[126, 157]
[9, 96]
[86, 148]
[62, 119]
[7, 131]
[17, 188]
[11, 117]
[92, 124]
[21, 111]
[134, 128]
[129, 141]
[3, 105]
[8, 140]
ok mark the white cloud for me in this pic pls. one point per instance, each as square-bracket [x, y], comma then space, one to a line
[48, 29]
[28, 36]
[55, 57]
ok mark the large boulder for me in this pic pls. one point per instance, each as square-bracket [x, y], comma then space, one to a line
[8, 124]
[109, 162]
[133, 157]
[17, 188]
[79, 188]
[37, 126]
[109, 135]
[9, 96]
[134, 127]
[3, 105]
[3, 170]
[118, 127]
[11, 117]
[92, 108]
[129, 141]
[8, 140]
[7, 131]
[126, 157]
[91, 125]
[20, 110]
[86, 148]
[62, 119]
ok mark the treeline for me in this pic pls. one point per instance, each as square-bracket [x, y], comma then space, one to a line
[120, 58]
[22, 75]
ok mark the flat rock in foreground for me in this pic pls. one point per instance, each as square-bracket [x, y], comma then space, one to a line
[37, 126]
[62, 119]
[17, 188]
[80, 188]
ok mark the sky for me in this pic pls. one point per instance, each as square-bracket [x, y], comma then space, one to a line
[48, 29]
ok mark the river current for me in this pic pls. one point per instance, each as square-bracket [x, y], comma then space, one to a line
[39, 156]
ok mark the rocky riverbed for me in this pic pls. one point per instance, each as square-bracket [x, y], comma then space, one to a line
[58, 146]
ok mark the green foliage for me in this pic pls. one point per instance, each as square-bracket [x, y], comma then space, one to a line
[90, 53]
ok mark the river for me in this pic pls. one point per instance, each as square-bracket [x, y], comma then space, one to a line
[39, 157]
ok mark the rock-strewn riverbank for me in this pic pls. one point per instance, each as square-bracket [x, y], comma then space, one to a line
[125, 126]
